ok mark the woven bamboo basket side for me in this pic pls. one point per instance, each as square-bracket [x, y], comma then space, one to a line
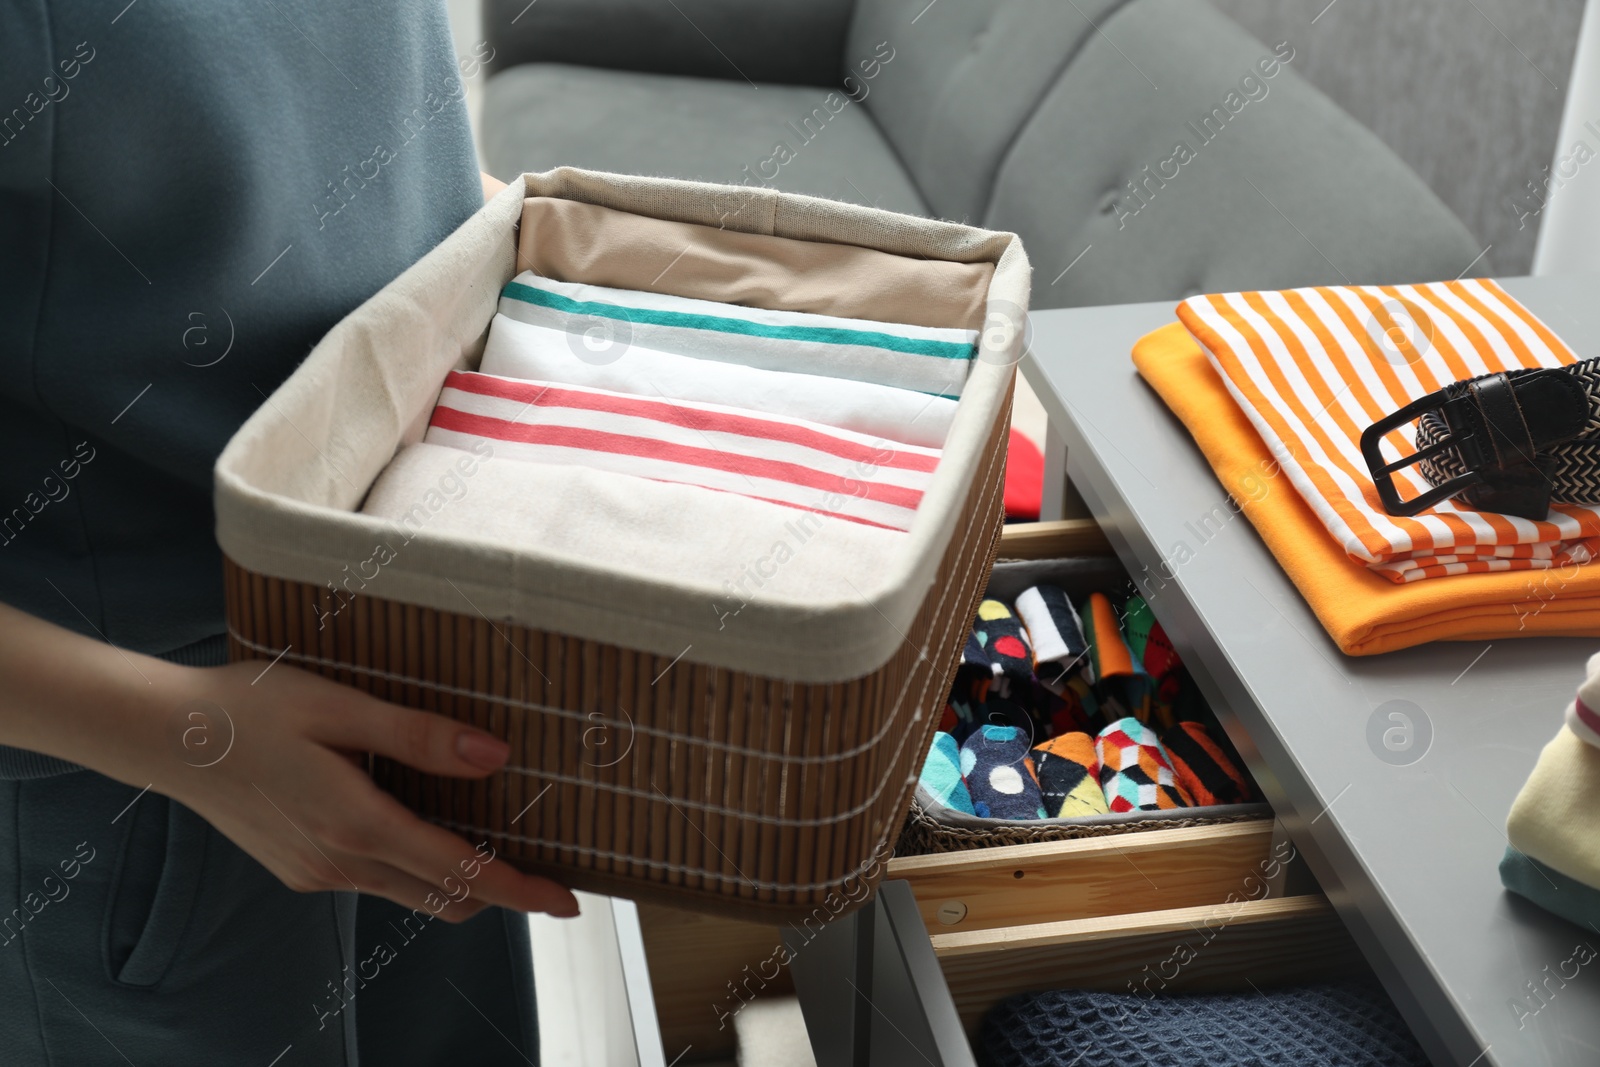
[636, 774]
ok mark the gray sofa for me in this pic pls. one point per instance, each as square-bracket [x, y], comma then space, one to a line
[1144, 149]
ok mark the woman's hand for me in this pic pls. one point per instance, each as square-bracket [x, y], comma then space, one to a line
[266, 755]
[289, 792]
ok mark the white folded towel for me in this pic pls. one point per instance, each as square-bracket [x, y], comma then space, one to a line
[776, 458]
[518, 349]
[923, 358]
[658, 529]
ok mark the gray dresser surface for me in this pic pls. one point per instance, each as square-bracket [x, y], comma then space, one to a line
[1405, 842]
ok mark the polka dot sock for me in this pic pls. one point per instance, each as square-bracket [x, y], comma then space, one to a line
[1069, 776]
[999, 775]
[1135, 772]
[1205, 767]
[941, 774]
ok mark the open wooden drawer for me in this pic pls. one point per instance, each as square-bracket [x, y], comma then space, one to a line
[1194, 908]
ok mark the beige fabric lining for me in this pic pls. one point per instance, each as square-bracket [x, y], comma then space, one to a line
[289, 483]
[576, 242]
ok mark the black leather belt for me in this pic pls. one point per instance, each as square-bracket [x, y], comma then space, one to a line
[1513, 442]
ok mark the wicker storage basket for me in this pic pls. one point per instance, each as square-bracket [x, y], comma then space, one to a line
[931, 828]
[759, 770]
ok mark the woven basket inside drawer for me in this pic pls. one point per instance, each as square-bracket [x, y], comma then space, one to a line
[932, 828]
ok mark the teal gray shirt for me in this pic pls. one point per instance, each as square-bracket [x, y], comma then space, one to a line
[191, 193]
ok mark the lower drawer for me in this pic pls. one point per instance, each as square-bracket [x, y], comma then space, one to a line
[1197, 908]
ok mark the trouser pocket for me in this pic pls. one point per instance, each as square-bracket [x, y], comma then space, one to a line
[153, 890]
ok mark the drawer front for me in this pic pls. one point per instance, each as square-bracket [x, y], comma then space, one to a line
[1186, 909]
[1014, 885]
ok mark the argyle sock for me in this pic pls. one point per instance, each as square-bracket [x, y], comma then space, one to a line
[1152, 649]
[1205, 767]
[1055, 632]
[1134, 770]
[1069, 776]
[941, 774]
[999, 775]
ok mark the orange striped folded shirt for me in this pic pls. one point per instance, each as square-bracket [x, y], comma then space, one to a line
[1313, 368]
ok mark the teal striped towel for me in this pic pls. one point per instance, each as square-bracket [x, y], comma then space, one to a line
[605, 322]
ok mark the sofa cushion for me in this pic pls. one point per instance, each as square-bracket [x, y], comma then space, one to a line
[789, 41]
[1224, 179]
[795, 138]
[963, 79]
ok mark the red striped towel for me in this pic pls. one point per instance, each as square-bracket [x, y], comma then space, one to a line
[776, 458]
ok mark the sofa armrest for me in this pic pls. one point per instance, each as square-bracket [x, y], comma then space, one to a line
[798, 42]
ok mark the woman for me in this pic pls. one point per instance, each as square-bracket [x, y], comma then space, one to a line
[191, 193]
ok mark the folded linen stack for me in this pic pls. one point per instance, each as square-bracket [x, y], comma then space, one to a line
[840, 418]
[1553, 858]
[1374, 582]
[1312, 368]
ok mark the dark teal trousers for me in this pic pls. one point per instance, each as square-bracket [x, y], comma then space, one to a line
[131, 932]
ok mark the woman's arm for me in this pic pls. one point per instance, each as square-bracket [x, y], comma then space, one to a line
[288, 789]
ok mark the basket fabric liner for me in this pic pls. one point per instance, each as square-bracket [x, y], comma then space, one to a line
[289, 482]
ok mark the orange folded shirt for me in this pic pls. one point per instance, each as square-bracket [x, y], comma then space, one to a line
[1313, 368]
[1363, 611]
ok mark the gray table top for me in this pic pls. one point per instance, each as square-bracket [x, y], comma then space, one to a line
[1406, 852]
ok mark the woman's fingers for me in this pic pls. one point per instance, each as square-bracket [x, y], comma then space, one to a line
[435, 855]
[420, 739]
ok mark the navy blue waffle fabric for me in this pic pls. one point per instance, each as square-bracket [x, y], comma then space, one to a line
[1338, 1025]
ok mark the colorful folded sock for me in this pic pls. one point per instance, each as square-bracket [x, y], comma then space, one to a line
[1055, 632]
[941, 774]
[1002, 638]
[1153, 650]
[1135, 772]
[1119, 677]
[1069, 776]
[1204, 766]
[1000, 777]
[1345, 1023]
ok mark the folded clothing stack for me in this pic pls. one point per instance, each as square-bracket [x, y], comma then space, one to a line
[1062, 710]
[1313, 368]
[1553, 858]
[1377, 583]
[1333, 1025]
[820, 416]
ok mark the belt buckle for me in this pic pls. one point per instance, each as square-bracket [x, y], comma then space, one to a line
[1383, 473]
